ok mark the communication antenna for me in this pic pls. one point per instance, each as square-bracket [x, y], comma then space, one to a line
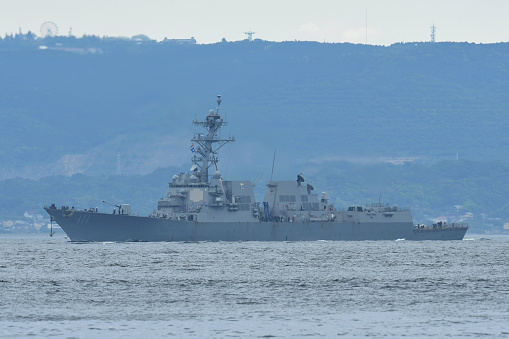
[433, 31]
[218, 104]
[249, 35]
[49, 29]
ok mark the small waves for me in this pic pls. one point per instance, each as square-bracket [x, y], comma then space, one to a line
[254, 289]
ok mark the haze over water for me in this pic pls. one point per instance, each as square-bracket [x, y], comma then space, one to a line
[51, 287]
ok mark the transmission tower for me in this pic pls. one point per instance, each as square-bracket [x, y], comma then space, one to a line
[249, 35]
[433, 30]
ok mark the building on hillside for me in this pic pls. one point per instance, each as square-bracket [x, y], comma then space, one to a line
[191, 41]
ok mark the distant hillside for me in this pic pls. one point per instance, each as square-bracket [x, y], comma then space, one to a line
[67, 110]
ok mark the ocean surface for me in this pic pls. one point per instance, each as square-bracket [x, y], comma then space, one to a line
[50, 287]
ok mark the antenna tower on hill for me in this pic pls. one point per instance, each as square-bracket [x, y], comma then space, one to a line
[433, 30]
[249, 35]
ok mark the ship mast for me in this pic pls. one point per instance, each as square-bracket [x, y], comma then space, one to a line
[207, 153]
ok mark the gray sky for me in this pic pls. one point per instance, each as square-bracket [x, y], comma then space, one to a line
[388, 21]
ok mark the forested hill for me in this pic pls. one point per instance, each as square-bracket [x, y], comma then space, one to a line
[72, 105]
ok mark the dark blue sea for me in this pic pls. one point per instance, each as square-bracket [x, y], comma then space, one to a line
[50, 287]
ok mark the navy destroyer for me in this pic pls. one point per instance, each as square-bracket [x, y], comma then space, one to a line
[203, 207]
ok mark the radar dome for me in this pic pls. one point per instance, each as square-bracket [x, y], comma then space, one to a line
[216, 175]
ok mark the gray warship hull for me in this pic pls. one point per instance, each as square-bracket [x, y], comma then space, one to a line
[84, 226]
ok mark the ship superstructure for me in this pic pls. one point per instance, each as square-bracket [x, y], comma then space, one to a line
[193, 196]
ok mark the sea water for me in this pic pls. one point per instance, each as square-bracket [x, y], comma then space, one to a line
[50, 287]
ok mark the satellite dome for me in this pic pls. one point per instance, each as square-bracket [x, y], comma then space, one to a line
[193, 178]
[216, 175]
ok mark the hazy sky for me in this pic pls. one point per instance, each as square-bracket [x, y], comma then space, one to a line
[388, 21]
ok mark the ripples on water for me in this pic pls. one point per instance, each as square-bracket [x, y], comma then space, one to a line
[51, 287]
